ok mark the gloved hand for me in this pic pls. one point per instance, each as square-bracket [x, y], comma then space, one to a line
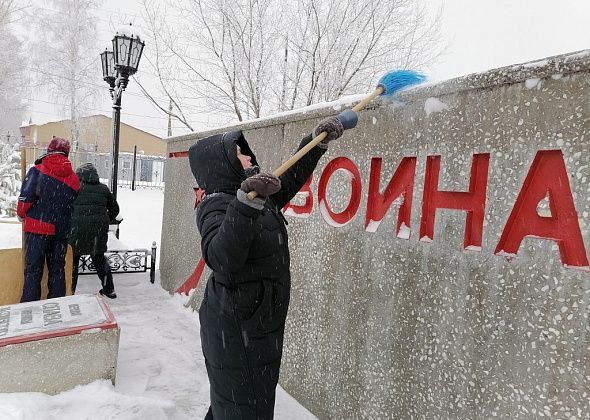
[264, 184]
[333, 128]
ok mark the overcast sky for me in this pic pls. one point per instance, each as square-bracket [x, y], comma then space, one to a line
[481, 35]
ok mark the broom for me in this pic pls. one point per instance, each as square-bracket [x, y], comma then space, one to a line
[390, 83]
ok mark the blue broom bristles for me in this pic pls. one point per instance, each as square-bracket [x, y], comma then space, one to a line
[395, 80]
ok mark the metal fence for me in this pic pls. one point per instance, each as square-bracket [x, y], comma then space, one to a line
[149, 170]
[124, 261]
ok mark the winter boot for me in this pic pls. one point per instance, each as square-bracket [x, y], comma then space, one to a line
[110, 295]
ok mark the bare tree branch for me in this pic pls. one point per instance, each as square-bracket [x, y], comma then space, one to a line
[13, 83]
[250, 58]
[168, 111]
[68, 45]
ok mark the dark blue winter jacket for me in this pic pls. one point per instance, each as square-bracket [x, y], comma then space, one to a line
[47, 196]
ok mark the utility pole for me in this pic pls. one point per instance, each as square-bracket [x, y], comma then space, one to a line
[170, 119]
[134, 167]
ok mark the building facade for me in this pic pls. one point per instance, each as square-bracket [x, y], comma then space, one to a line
[94, 145]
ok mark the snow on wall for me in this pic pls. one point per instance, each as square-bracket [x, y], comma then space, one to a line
[435, 324]
[434, 105]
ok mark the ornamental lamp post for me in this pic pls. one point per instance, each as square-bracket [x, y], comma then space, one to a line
[117, 66]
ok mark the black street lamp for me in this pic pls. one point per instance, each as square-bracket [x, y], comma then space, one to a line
[117, 66]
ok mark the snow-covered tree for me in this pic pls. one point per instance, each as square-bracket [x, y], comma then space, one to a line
[12, 79]
[10, 178]
[65, 56]
[252, 58]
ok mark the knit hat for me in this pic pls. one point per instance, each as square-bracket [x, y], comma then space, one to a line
[87, 173]
[58, 145]
[86, 167]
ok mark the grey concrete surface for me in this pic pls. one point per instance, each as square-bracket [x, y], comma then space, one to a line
[387, 328]
[58, 364]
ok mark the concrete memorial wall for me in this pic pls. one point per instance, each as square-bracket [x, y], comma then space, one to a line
[440, 252]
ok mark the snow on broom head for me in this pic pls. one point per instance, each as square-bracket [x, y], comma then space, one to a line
[395, 80]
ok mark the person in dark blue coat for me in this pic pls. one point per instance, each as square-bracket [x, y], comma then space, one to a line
[94, 208]
[245, 243]
[45, 207]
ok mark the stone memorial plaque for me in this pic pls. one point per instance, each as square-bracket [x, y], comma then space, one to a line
[53, 318]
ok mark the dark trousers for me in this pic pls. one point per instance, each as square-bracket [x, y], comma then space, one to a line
[242, 356]
[103, 270]
[41, 249]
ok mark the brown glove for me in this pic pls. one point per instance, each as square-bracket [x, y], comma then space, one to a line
[333, 128]
[264, 184]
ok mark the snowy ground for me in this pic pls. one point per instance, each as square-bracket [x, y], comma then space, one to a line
[142, 217]
[141, 211]
[161, 374]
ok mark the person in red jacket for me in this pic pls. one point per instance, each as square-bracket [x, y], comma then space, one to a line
[45, 207]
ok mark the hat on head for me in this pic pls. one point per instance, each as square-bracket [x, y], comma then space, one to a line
[85, 167]
[58, 145]
[88, 166]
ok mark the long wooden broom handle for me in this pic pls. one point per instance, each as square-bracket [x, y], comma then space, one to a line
[362, 104]
[316, 140]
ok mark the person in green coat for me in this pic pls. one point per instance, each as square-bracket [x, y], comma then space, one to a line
[94, 208]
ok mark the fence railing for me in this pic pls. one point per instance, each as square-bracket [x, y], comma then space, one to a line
[140, 184]
[124, 261]
[138, 170]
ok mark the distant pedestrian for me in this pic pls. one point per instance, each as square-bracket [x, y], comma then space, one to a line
[94, 208]
[45, 207]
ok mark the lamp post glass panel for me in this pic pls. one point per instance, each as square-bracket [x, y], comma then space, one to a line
[117, 66]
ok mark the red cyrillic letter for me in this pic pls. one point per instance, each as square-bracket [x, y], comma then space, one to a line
[305, 210]
[347, 166]
[473, 201]
[400, 185]
[547, 177]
